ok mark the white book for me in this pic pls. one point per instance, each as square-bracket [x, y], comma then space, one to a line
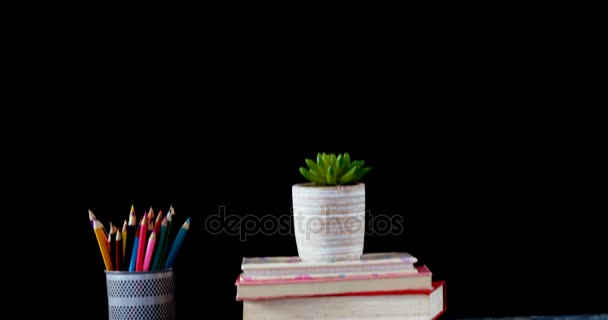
[418, 305]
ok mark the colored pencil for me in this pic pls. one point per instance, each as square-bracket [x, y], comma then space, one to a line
[159, 220]
[160, 246]
[123, 237]
[112, 245]
[177, 243]
[92, 218]
[149, 251]
[103, 246]
[141, 247]
[150, 214]
[131, 233]
[133, 262]
[119, 265]
[167, 243]
[150, 222]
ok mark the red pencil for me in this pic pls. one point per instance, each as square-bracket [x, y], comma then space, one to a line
[119, 265]
[141, 246]
[112, 244]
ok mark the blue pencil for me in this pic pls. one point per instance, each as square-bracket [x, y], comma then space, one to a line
[134, 254]
[177, 243]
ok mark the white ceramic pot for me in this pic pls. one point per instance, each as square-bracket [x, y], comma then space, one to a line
[329, 221]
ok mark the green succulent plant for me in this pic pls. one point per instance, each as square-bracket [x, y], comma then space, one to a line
[334, 170]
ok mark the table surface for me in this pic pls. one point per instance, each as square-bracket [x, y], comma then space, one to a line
[603, 316]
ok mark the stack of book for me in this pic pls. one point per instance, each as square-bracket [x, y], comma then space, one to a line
[389, 285]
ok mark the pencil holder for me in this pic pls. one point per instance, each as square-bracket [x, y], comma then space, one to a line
[141, 295]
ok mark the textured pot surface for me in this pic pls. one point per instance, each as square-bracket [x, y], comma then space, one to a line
[329, 221]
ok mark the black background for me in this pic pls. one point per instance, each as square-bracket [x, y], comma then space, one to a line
[496, 209]
[496, 184]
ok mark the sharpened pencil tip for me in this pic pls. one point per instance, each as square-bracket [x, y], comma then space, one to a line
[91, 215]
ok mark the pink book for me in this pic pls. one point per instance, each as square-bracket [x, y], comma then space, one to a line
[251, 289]
[293, 267]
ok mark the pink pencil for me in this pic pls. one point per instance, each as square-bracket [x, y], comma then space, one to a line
[149, 251]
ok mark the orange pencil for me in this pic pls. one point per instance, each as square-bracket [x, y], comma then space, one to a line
[150, 221]
[151, 214]
[102, 242]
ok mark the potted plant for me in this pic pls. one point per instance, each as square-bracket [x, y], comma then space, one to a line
[329, 209]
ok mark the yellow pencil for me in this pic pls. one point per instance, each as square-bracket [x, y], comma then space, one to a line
[104, 233]
[103, 245]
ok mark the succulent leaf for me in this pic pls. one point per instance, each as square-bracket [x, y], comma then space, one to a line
[361, 173]
[348, 177]
[326, 161]
[312, 176]
[313, 166]
[321, 166]
[357, 163]
[332, 169]
[331, 176]
[346, 162]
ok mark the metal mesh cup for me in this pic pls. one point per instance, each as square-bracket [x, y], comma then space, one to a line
[141, 295]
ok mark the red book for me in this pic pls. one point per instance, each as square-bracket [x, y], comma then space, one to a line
[405, 305]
